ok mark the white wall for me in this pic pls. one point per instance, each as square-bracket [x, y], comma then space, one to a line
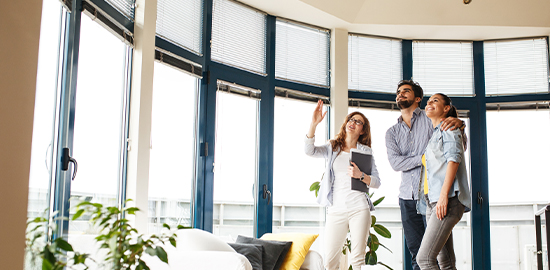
[18, 65]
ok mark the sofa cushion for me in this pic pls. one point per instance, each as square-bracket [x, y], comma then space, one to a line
[253, 252]
[274, 252]
[199, 240]
[301, 243]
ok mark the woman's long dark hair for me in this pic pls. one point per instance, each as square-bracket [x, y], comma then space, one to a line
[453, 113]
[340, 140]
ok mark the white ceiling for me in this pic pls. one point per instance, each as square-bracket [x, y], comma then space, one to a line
[419, 19]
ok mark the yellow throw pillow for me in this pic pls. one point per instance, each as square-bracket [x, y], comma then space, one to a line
[301, 243]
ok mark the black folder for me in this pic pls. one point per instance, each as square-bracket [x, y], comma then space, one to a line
[364, 163]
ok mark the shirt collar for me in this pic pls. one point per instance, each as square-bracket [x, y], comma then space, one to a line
[416, 112]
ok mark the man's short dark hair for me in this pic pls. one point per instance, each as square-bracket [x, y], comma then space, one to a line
[417, 89]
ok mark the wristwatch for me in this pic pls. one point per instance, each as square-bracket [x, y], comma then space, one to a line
[362, 176]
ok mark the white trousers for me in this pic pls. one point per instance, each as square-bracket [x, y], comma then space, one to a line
[336, 228]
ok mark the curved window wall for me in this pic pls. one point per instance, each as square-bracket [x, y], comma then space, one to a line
[250, 45]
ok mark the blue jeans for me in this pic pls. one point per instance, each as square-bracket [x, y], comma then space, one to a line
[414, 225]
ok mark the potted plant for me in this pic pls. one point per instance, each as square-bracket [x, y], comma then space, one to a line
[373, 242]
[125, 247]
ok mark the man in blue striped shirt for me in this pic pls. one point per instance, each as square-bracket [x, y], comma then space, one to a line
[406, 142]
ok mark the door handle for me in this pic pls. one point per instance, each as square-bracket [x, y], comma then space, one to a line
[65, 159]
[267, 194]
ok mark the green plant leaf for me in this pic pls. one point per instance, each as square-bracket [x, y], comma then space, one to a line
[151, 251]
[172, 241]
[385, 265]
[379, 200]
[314, 186]
[373, 259]
[316, 193]
[350, 268]
[382, 231]
[374, 243]
[161, 254]
[373, 221]
[132, 210]
[142, 265]
[64, 245]
[78, 214]
[181, 227]
[166, 226]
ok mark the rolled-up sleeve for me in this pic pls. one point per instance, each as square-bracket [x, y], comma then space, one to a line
[374, 177]
[452, 145]
[314, 151]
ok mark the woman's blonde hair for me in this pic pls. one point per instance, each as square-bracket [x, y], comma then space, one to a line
[340, 139]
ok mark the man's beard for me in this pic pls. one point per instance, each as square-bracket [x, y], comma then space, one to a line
[404, 104]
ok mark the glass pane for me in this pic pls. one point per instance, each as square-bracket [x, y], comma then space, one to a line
[98, 124]
[238, 35]
[235, 165]
[518, 184]
[295, 208]
[444, 67]
[44, 109]
[172, 160]
[302, 53]
[44, 114]
[374, 63]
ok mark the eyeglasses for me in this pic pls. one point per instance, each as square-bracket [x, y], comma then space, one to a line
[357, 122]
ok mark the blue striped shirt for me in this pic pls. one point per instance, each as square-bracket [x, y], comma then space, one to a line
[405, 148]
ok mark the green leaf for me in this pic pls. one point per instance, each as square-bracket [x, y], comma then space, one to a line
[379, 201]
[373, 221]
[49, 257]
[166, 226]
[374, 243]
[314, 186]
[78, 214]
[172, 241]
[350, 268]
[161, 254]
[151, 251]
[382, 231]
[143, 265]
[64, 245]
[385, 265]
[373, 259]
[181, 227]
[46, 265]
[132, 210]
[316, 193]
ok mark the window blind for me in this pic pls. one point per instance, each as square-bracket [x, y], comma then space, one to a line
[444, 67]
[238, 36]
[374, 64]
[516, 66]
[181, 23]
[126, 7]
[302, 53]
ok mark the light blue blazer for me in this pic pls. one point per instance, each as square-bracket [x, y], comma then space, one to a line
[325, 195]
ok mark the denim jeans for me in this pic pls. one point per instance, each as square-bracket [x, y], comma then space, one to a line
[437, 245]
[414, 225]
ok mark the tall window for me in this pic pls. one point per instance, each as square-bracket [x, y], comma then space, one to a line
[44, 109]
[181, 22]
[235, 160]
[302, 53]
[98, 128]
[238, 36]
[171, 164]
[374, 63]
[444, 67]
[518, 183]
[295, 208]
[516, 66]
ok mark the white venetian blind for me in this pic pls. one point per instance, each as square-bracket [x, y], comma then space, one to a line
[238, 36]
[374, 64]
[516, 66]
[302, 53]
[181, 23]
[126, 7]
[444, 67]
